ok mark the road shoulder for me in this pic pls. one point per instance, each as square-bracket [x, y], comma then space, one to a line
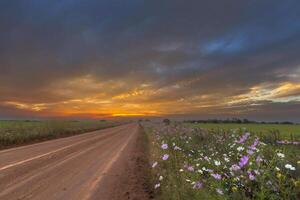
[128, 178]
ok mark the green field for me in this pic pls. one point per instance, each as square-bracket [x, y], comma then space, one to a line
[287, 131]
[21, 132]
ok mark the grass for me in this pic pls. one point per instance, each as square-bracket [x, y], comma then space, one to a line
[284, 131]
[14, 133]
[200, 163]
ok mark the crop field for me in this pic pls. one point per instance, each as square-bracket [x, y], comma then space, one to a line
[223, 162]
[21, 132]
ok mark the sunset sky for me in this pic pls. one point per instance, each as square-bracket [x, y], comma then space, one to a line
[112, 58]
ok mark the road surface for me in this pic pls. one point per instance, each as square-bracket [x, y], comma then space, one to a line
[68, 168]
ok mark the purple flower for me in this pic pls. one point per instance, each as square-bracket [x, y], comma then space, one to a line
[210, 170]
[243, 138]
[255, 143]
[258, 159]
[164, 146]
[217, 176]
[243, 161]
[165, 157]
[198, 185]
[235, 167]
[190, 168]
[251, 176]
[177, 148]
[250, 152]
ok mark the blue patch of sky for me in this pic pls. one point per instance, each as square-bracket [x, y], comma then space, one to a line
[253, 36]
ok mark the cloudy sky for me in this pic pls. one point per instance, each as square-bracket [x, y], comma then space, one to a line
[107, 58]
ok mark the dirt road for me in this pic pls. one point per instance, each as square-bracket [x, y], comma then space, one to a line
[87, 166]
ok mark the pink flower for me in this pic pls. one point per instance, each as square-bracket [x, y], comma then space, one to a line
[243, 161]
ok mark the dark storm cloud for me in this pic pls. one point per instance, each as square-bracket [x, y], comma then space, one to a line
[206, 47]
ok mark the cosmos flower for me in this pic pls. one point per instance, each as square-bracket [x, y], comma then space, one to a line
[258, 159]
[235, 167]
[177, 148]
[219, 191]
[217, 163]
[190, 168]
[240, 148]
[161, 178]
[251, 176]
[164, 146]
[243, 161]
[290, 167]
[217, 176]
[255, 143]
[154, 164]
[243, 138]
[165, 156]
[156, 185]
[281, 155]
[198, 185]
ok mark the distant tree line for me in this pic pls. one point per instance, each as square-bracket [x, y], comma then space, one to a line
[235, 120]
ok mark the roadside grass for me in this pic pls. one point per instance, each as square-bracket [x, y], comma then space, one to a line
[13, 133]
[192, 163]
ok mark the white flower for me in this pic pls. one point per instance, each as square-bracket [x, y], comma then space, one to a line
[200, 171]
[157, 186]
[226, 159]
[188, 180]
[277, 169]
[290, 167]
[181, 170]
[281, 155]
[154, 164]
[161, 178]
[218, 190]
[240, 148]
[217, 163]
